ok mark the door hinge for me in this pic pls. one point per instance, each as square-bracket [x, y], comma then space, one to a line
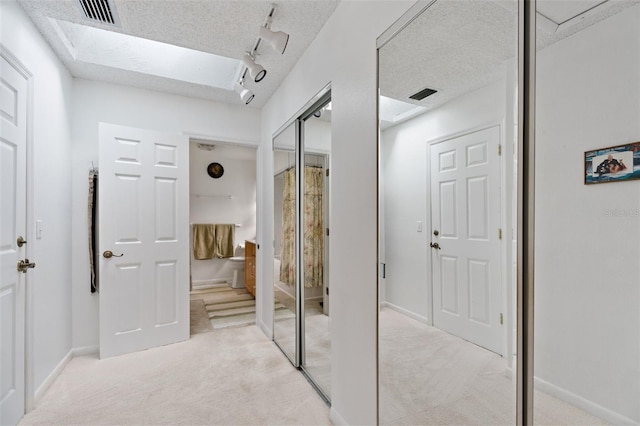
[327, 172]
[501, 319]
[327, 232]
[499, 233]
[499, 149]
[327, 290]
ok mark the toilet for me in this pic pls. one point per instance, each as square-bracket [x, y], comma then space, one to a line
[237, 262]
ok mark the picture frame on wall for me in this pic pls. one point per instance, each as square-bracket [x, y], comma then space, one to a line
[613, 164]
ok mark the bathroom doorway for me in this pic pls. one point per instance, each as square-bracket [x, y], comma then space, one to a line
[222, 207]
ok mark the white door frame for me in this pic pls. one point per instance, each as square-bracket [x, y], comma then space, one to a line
[504, 200]
[30, 281]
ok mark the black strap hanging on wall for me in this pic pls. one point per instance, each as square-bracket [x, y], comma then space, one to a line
[93, 223]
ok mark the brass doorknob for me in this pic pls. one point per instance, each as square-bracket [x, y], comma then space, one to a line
[23, 265]
[109, 254]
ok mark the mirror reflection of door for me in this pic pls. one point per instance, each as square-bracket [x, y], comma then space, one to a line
[448, 118]
[447, 84]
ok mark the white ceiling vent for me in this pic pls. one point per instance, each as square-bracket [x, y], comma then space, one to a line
[100, 11]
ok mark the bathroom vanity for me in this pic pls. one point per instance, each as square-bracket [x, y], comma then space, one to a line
[250, 266]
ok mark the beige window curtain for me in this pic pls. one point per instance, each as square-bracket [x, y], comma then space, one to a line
[313, 228]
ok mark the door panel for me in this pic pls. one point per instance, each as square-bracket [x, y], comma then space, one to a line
[465, 204]
[13, 168]
[144, 221]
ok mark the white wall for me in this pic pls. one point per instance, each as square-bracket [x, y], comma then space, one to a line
[95, 102]
[404, 163]
[350, 67]
[50, 283]
[209, 204]
[587, 276]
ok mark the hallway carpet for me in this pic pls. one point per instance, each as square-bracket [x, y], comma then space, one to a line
[233, 376]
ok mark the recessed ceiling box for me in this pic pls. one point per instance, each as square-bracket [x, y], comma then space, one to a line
[102, 11]
[423, 94]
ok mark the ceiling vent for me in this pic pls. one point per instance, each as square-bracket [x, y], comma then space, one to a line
[423, 94]
[99, 11]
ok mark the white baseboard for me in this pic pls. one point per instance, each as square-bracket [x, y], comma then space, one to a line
[405, 312]
[590, 407]
[44, 387]
[85, 350]
[336, 419]
[212, 281]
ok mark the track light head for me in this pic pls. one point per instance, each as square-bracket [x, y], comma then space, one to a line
[257, 71]
[277, 39]
[245, 94]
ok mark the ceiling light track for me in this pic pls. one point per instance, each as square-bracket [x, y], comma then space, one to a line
[278, 41]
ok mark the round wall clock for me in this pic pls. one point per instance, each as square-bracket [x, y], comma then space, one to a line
[215, 170]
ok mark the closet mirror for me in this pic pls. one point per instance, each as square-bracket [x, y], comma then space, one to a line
[301, 242]
[448, 78]
[285, 324]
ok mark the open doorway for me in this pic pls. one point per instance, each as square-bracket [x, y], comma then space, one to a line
[222, 204]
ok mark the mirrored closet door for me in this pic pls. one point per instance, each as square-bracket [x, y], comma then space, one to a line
[301, 215]
[448, 79]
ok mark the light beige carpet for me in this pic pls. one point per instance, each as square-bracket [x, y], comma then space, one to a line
[429, 377]
[228, 377]
[199, 318]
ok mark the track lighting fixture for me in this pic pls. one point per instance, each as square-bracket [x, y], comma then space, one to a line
[257, 71]
[245, 94]
[277, 39]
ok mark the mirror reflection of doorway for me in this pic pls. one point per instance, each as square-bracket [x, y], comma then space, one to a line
[301, 243]
[445, 323]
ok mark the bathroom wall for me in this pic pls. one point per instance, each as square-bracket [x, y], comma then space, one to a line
[228, 199]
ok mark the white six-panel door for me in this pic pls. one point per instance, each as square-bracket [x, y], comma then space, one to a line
[465, 213]
[13, 170]
[144, 221]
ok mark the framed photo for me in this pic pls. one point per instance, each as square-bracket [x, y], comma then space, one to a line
[613, 164]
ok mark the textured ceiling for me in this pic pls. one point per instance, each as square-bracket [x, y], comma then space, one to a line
[457, 46]
[227, 28]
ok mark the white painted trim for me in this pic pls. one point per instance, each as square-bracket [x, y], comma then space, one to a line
[590, 407]
[405, 312]
[336, 418]
[221, 140]
[85, 351]
[46, 384]
[212, 281]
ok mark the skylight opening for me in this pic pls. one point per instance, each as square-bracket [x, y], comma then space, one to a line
[122, 51]
[395, 111]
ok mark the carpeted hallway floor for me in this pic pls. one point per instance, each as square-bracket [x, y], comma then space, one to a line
[232, 376]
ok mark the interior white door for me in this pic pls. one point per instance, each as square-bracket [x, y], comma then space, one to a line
[465, 215]
[144, 221]
[13, 166]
